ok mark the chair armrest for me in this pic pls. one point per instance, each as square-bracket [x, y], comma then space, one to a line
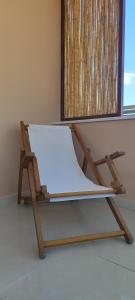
[112, 156]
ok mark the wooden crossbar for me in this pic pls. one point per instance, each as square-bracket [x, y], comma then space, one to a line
[81, 193]
[83, 238]
[112, 156]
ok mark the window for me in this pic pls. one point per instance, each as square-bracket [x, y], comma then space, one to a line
[129, 61]
[92, 77]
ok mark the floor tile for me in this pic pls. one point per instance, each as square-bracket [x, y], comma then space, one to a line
[100, 270]
[74, 274]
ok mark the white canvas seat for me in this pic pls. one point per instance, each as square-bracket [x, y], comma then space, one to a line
[58, 166]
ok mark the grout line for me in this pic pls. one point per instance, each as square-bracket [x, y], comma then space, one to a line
[126, 203]
[116, 264]
[127, 208]
[23, 277]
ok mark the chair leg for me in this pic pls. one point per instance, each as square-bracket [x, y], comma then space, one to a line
[20, 179]
[36, 215]
[117, 214]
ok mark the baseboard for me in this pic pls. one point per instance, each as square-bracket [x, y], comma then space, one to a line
[122, 202]
[125, 203]
[9, 197]
[13, 196]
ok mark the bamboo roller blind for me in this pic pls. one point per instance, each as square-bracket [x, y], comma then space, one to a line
[91, 55]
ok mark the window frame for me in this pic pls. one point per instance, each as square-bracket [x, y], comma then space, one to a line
[120, 71]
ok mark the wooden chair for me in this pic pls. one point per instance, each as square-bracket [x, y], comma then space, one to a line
[54, 175]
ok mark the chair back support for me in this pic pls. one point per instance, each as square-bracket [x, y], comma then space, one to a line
[54, 149]
[57, 162]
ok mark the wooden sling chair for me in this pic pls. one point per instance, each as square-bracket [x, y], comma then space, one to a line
[54, 175]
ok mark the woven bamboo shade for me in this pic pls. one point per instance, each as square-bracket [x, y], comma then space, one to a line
[91, 58]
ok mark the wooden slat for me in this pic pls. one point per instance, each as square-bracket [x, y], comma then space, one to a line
[119, 218]
[81, 193]
[116, 184]
[36, 175]
[112, 156]
[85, 163]
[113, 169]
[83, 238]
[84, 166]
[20, 177]
[25, 139]
[28, 157]
[36, 212]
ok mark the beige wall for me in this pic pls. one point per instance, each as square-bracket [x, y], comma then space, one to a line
[30, 89]
[29, 75]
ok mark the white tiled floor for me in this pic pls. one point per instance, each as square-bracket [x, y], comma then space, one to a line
[100, 270]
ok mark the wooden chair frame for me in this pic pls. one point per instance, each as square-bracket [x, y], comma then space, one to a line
[28, 161]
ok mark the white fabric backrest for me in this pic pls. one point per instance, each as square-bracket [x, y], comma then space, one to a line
[58, 166]
[53, 147]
